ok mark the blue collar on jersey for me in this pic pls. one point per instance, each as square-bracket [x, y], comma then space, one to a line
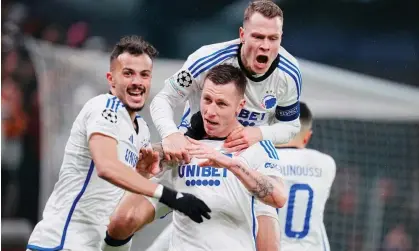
[286, 147]
[249, 75]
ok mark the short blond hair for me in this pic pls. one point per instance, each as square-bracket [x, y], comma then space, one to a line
[267, 8]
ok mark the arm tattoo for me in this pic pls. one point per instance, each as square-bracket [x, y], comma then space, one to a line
[158, 148]
[263, 186]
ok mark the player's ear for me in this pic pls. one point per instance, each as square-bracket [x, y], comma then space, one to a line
[240, 107]
[109, 77]
[307, 137]
[241, 34]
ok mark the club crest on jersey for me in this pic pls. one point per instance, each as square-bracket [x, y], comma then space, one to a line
[201, 176]
[184, 78]
[110, 115]
[269, 101]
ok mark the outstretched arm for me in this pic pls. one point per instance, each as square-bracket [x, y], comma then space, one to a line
[104, 154]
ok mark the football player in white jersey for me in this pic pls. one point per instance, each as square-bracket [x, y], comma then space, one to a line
[309, 175]
[230, 184]
[273, 92]
[101, 156]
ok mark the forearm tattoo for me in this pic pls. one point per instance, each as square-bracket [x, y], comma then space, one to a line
[263, 186]
[158, 148]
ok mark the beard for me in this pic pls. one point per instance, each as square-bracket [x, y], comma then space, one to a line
[143, 93]
[134, 109]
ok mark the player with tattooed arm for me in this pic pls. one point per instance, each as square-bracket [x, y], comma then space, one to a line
[233, 185]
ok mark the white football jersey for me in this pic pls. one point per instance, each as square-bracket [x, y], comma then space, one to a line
[308, 175]
[270, 98]
[233, 224]
[77, 212]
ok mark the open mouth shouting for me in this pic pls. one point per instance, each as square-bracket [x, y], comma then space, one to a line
[136, 93]
[261, 61]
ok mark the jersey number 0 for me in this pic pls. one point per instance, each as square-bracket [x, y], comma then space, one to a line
[290, 211]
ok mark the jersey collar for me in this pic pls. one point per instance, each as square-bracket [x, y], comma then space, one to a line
[215, 138]
[286, 147]
[249, 75]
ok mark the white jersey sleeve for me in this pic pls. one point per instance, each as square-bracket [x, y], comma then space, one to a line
[185, 82]
[101, 119]
[266, 160]
[185, 122]
[267, 163]
[286, 124]
[291, 95]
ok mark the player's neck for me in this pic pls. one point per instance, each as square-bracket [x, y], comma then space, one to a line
[132, 115]
[291, 144]
[234, 126]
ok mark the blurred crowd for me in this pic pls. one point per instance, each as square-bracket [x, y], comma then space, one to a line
[20, 110]
[349, 207]
[374, 202]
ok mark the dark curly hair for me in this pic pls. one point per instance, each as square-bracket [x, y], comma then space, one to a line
[134, 45]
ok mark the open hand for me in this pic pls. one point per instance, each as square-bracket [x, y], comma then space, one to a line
[209, 156]
[148, 163]
[174, 147]
[241, 138]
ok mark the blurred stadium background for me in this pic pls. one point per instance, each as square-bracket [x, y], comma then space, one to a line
[360, 65]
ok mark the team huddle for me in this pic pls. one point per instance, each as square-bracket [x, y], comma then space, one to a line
[235, 169]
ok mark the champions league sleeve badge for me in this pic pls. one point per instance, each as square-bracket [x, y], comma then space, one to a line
[184, 78]
[110, 115]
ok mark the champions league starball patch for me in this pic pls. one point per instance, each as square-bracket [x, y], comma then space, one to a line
[110, 115]
[184, 79]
